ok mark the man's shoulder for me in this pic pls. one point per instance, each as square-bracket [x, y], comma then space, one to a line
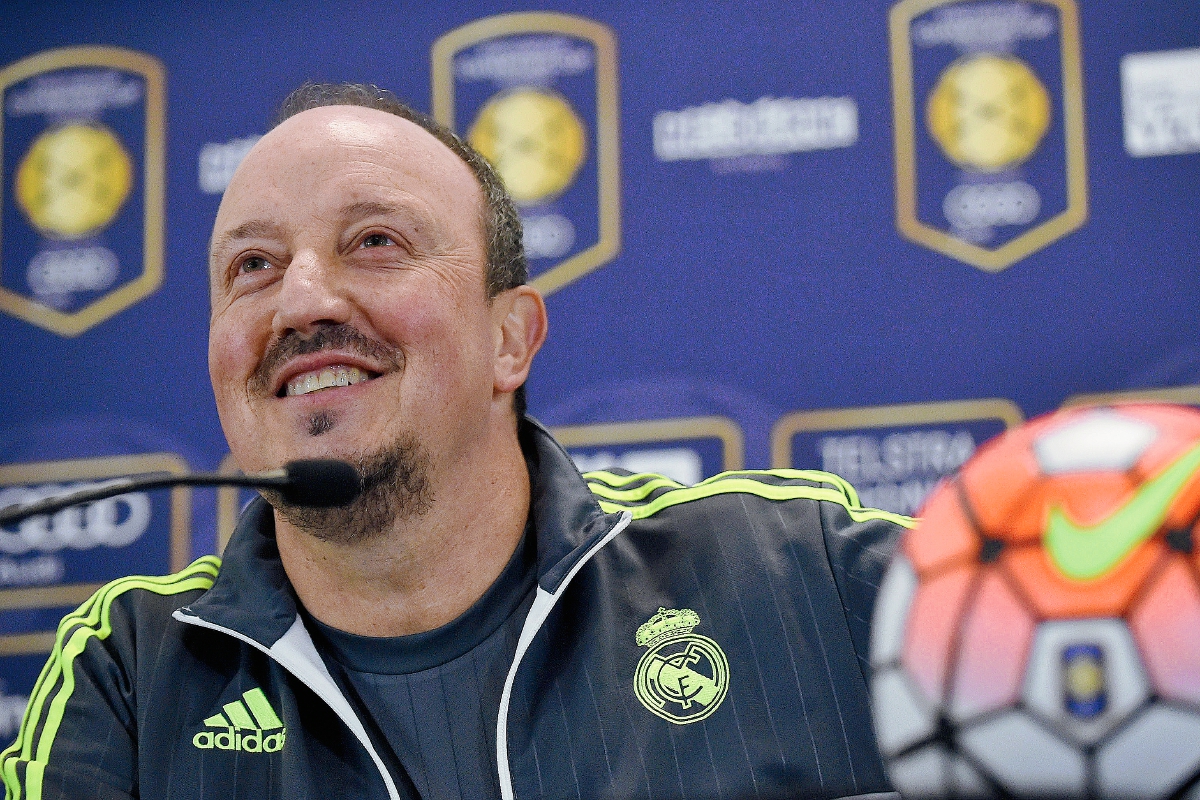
[143, 597]
[648, 495]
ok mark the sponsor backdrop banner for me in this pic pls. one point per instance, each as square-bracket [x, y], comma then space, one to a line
[860, 236]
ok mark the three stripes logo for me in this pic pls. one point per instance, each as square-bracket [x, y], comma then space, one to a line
[249, 725]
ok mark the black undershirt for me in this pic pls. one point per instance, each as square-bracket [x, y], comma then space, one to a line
[430, 701]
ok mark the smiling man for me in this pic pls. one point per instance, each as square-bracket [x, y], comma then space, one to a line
[353, 318]
[482, 621]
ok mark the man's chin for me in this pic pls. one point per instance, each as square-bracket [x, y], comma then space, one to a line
[395, 487]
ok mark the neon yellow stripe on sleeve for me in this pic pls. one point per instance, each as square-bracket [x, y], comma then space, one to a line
[730, 485]
[658, 481]
[635, 494]
[615, 480]
[92, 619]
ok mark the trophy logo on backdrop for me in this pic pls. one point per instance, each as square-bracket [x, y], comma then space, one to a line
[535, 139]
[988, 94]
[536, 94]
[82, 146]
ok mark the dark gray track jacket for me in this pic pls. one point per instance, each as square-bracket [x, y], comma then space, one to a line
[684, 642]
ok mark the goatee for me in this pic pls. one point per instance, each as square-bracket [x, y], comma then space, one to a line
[395, 487]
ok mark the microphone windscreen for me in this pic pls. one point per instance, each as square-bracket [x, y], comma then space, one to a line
[321, 482]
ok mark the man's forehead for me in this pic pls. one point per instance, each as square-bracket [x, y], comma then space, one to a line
[343, 140]
[361, 128]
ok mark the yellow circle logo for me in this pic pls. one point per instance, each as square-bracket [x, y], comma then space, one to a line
[74, 180]
[988, 112]
[534, 139]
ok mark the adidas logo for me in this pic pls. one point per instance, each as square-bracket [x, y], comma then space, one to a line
[249, 725]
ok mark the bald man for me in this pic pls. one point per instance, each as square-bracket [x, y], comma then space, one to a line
[482, 621]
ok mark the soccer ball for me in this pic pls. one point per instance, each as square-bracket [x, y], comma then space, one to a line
[1038, 633]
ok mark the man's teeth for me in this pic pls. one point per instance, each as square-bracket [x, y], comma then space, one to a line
[324, 378]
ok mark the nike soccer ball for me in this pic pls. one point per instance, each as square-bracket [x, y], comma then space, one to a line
[1038, 633]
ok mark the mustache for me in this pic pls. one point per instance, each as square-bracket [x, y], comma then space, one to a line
[328, 337]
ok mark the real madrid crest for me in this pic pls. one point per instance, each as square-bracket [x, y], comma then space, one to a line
[682, 677]
[988, 94]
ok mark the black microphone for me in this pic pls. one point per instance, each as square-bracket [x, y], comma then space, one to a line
[316, 482]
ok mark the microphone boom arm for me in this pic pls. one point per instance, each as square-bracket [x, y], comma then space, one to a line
[11, 515]
[307, 482]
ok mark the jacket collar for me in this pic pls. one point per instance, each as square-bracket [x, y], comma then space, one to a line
[567, 518]
[253, 596]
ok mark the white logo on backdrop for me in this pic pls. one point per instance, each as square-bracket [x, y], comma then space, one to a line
[115, 522]
[975, 208]
[529, 60]
[1161, 98]
[32, 571]
[12, 709]
[54, 275]
[548, 236]
[767, 127]
[984, 28]
[218, 160]
[897, 471]
[71, 95]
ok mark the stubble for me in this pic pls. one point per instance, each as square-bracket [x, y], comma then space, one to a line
[395, 478]
[395, 487]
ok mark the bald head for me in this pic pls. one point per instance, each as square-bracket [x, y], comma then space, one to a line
[507, 266]
[350, 301]
[355, 245]
[329, 164]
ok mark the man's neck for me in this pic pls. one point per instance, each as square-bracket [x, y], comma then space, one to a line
[427, 569]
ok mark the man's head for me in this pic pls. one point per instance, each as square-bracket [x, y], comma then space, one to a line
[506, 263]
[368, 296]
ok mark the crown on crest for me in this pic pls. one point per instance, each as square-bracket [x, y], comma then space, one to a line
[666, 624]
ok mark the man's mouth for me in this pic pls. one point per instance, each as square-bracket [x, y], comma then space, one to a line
[324, 378]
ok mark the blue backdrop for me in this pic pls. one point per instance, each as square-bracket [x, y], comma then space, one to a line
[859, 236]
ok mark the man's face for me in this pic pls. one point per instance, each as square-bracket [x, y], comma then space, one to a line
[349, 312]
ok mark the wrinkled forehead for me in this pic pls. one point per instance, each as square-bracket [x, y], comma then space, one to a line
[341, 148]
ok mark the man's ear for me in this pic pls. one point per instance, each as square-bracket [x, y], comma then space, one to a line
[520, 317]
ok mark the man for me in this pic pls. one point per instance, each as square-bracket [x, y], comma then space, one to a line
[481, 621]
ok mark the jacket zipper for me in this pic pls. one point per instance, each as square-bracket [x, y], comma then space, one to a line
[307, 668]
[543, 603]
[310, 670]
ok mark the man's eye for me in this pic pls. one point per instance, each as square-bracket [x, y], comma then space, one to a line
[377, 240]
[255, 264]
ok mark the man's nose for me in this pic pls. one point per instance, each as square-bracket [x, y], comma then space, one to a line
[313, 292]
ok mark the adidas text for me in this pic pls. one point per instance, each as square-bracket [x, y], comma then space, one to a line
[252, 741]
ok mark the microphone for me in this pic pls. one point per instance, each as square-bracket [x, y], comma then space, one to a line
[316, 482]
